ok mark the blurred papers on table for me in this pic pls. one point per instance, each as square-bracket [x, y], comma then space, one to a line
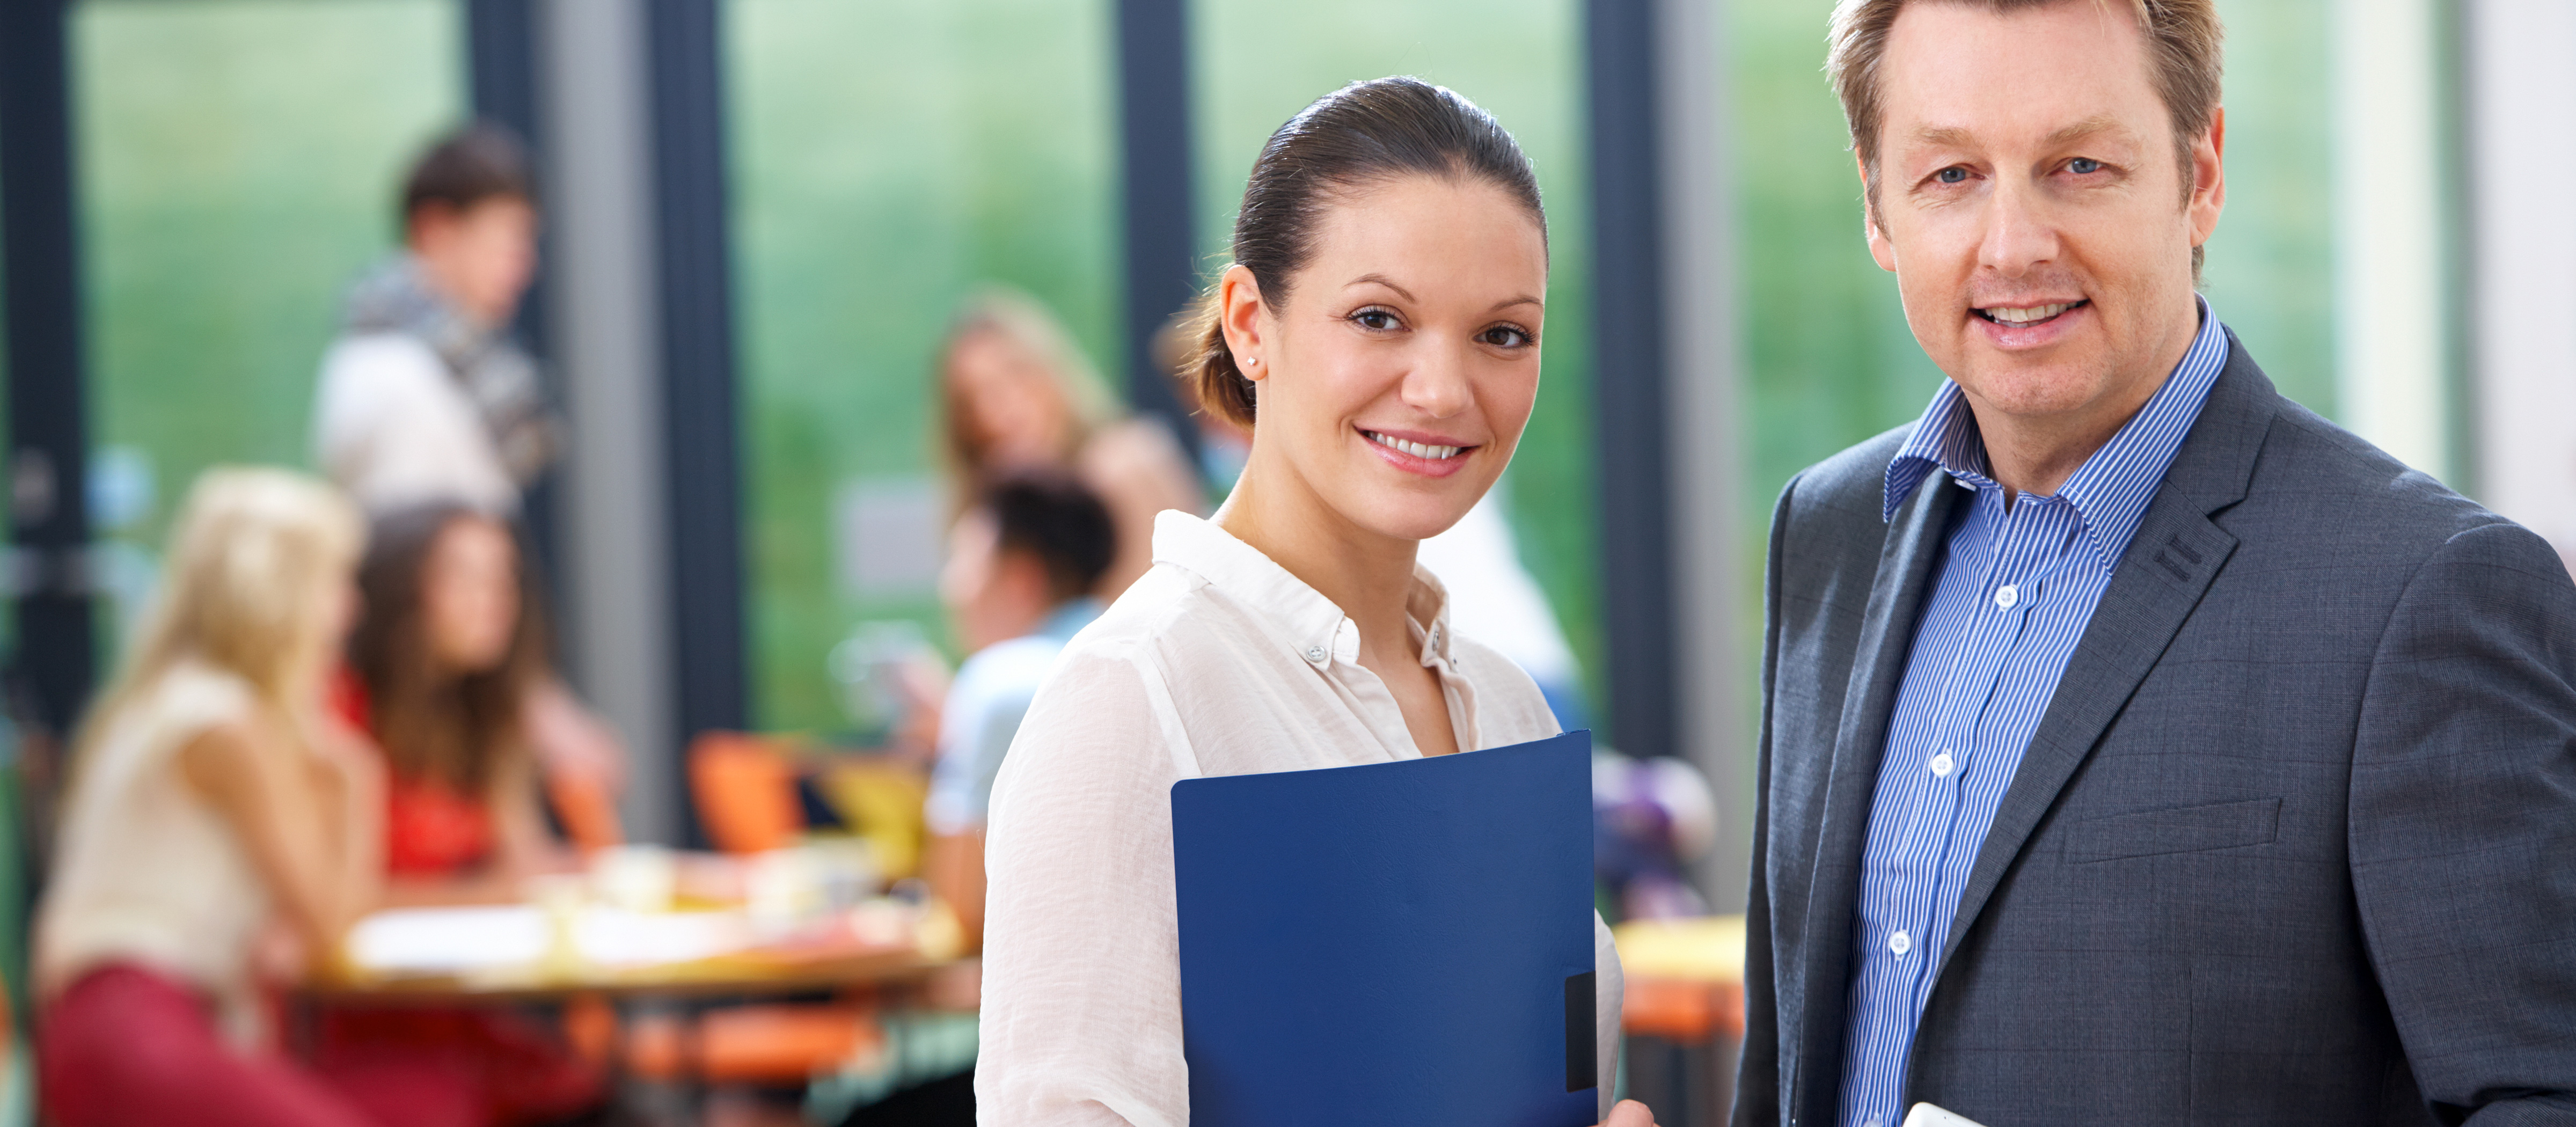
[648, 920]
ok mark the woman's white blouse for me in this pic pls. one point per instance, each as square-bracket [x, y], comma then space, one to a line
[1217, 662]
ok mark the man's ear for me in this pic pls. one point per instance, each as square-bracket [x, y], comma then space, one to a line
[2208, 178]
[1879, 248]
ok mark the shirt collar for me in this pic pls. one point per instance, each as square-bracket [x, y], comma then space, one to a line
[2110, 491]
[1312, 625]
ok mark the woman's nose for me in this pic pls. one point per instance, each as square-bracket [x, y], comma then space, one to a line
[1437, 384]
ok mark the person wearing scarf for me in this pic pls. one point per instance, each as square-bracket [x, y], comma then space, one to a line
[425, 397]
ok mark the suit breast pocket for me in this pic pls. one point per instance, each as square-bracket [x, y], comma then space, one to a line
[2178, 829]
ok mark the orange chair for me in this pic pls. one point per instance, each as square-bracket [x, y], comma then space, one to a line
[745, 788]
[754, 1044]
[1683, 1010]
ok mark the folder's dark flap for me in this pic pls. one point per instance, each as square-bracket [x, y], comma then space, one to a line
[1389, 943]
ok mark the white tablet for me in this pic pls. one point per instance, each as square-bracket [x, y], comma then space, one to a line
[1926, 1115]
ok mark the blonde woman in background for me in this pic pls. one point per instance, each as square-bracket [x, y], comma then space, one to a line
[1018, 395]
[220, 833]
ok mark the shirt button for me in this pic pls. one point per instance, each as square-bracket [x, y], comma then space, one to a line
[1314, 653]
[1872, 1121]
[2007, 595]
[1942, 765]
[1900, 943]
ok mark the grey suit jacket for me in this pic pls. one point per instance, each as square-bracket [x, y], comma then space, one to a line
[2295, 842]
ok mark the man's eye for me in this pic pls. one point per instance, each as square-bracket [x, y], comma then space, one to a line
[2083, 165]
[1951, 175]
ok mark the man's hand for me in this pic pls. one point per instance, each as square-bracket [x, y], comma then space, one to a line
[1630, 1113]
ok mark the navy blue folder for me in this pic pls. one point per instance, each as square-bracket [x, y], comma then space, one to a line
[1404, 942]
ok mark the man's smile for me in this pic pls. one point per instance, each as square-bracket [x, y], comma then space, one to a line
[2024, 316]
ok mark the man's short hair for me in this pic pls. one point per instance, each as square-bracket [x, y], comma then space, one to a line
[2184, 45]
[479, 162]
[1057, 520]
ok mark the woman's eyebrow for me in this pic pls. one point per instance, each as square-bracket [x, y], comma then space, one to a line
[1382, 280]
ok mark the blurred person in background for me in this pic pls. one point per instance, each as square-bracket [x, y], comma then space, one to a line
[443, 657]
[440, 665]
[1022, 566]
[1018, 395]
[221, 831]
[426, 398]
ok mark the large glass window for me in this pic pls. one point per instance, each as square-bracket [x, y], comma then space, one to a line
[1522, 60]
[239, 163]
[888, 159]
[2271, 267]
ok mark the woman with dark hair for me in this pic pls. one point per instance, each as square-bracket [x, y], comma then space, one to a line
[1378, 333]
[443, 661]
[440, 670]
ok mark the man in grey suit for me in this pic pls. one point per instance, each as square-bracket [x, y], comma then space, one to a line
[2138, 746]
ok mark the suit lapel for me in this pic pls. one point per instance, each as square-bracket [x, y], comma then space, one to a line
[1915, 541]
[2159, 580]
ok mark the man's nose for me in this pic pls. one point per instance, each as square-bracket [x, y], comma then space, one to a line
[2020, 232]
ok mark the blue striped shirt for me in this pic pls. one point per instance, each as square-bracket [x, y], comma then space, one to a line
[2011, 599]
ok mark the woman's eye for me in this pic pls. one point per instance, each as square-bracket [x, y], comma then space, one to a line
[1505, 336]
[1951, 175]
[1376, 320]
[2083, 165]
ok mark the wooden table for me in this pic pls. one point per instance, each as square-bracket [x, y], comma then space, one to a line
[647, 1012]
[756, 973]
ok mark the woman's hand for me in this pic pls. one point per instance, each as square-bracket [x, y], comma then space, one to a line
[280, 955]
[1630, 1113]
[570, 738]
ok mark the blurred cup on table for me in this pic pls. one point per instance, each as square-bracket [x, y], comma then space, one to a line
[845, 870]
[560, 897]
[638, 878]
[782, 889]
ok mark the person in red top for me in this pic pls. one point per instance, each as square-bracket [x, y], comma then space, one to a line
[440, 670]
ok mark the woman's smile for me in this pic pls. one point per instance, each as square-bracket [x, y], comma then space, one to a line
[1414, 452]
